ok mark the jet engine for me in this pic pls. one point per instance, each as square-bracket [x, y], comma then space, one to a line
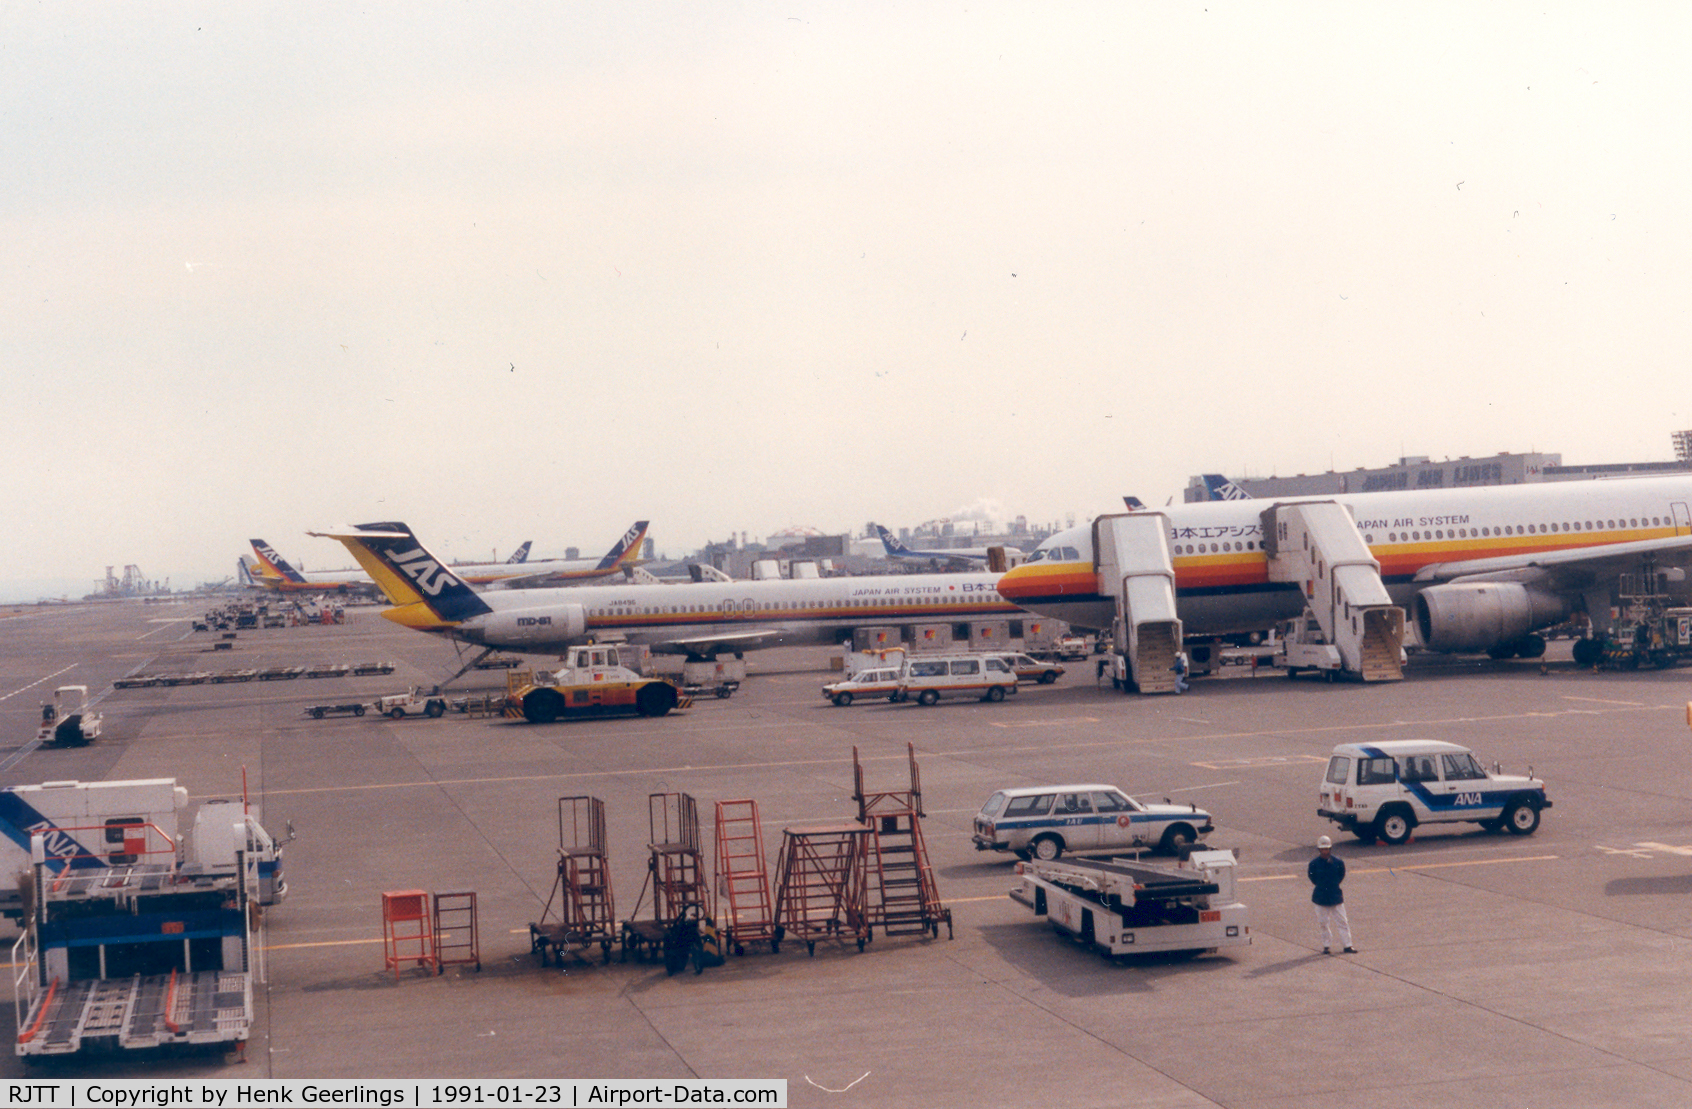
[531, 627]
[1479, 616]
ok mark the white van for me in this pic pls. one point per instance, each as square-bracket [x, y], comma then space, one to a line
[928, 678]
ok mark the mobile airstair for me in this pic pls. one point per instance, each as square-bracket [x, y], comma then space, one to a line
[1316, 545]
[1134, 565]
[902, 895]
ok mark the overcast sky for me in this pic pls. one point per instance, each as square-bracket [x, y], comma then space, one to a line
[535, 271]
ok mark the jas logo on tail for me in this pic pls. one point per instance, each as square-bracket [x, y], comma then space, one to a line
[431, 577]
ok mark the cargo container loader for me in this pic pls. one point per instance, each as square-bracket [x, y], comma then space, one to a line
[1123, 906]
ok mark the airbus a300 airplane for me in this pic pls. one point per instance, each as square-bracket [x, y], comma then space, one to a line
[701, 619]
[275, 572]
[1544, 552]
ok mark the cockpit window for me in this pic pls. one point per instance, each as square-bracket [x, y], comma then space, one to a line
[1037, 556]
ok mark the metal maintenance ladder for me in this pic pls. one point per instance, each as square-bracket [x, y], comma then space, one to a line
[587, 913]
[821, 891]
[903, 897]
[743, 880]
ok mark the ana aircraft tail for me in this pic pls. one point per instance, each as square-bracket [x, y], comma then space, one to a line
[626, 551]
[425, 591]
[1221, 489]
[895, 548]
[521, 554]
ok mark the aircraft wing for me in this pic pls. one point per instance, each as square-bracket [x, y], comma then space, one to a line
[747, 640]
[1572, 569]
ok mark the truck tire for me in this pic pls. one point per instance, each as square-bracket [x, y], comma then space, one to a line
[1394, 826]
[358, 710]
[396, 713]
[434, 709]
[542, 706]
[928, 697]
[317, 713]
[1522, 818]
[655, 699]
[995, 694]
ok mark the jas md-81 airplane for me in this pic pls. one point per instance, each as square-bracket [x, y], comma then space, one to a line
[1479, 569]
[699, 619]
[275, 572]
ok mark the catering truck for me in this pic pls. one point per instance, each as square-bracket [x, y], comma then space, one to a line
[133, 937]
[92, 826]
[1126, 907]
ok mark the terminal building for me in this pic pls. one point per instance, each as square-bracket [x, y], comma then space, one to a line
[1451, 473]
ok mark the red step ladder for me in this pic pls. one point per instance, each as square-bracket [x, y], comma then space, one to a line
[743, 880]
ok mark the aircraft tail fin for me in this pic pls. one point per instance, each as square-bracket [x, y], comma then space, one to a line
[274, 566]
[626, 551]
[1221, 489]
[409, 574]
[521, 554]
[895, 548]
[1134, 503]
[244, 572]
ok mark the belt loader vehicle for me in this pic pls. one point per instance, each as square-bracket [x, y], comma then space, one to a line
[1125, 907]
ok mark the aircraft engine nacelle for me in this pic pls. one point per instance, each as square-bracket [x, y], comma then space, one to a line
[532, 627]
[1478, 616]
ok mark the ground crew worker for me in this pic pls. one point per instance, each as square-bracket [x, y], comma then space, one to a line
[1326, 873]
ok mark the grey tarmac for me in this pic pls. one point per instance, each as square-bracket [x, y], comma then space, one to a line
[1548, 970]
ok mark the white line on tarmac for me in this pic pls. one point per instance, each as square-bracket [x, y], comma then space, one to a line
[37, 682]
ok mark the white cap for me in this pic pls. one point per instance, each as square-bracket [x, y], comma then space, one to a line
[1324, 843]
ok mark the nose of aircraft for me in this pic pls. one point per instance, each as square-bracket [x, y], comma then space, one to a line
[1015, 583]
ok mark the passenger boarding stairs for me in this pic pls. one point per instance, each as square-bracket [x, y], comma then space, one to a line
[1134, 565]
[1316, 545]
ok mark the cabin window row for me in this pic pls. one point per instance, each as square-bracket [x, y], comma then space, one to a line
[772, 606]
[1522, 529]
